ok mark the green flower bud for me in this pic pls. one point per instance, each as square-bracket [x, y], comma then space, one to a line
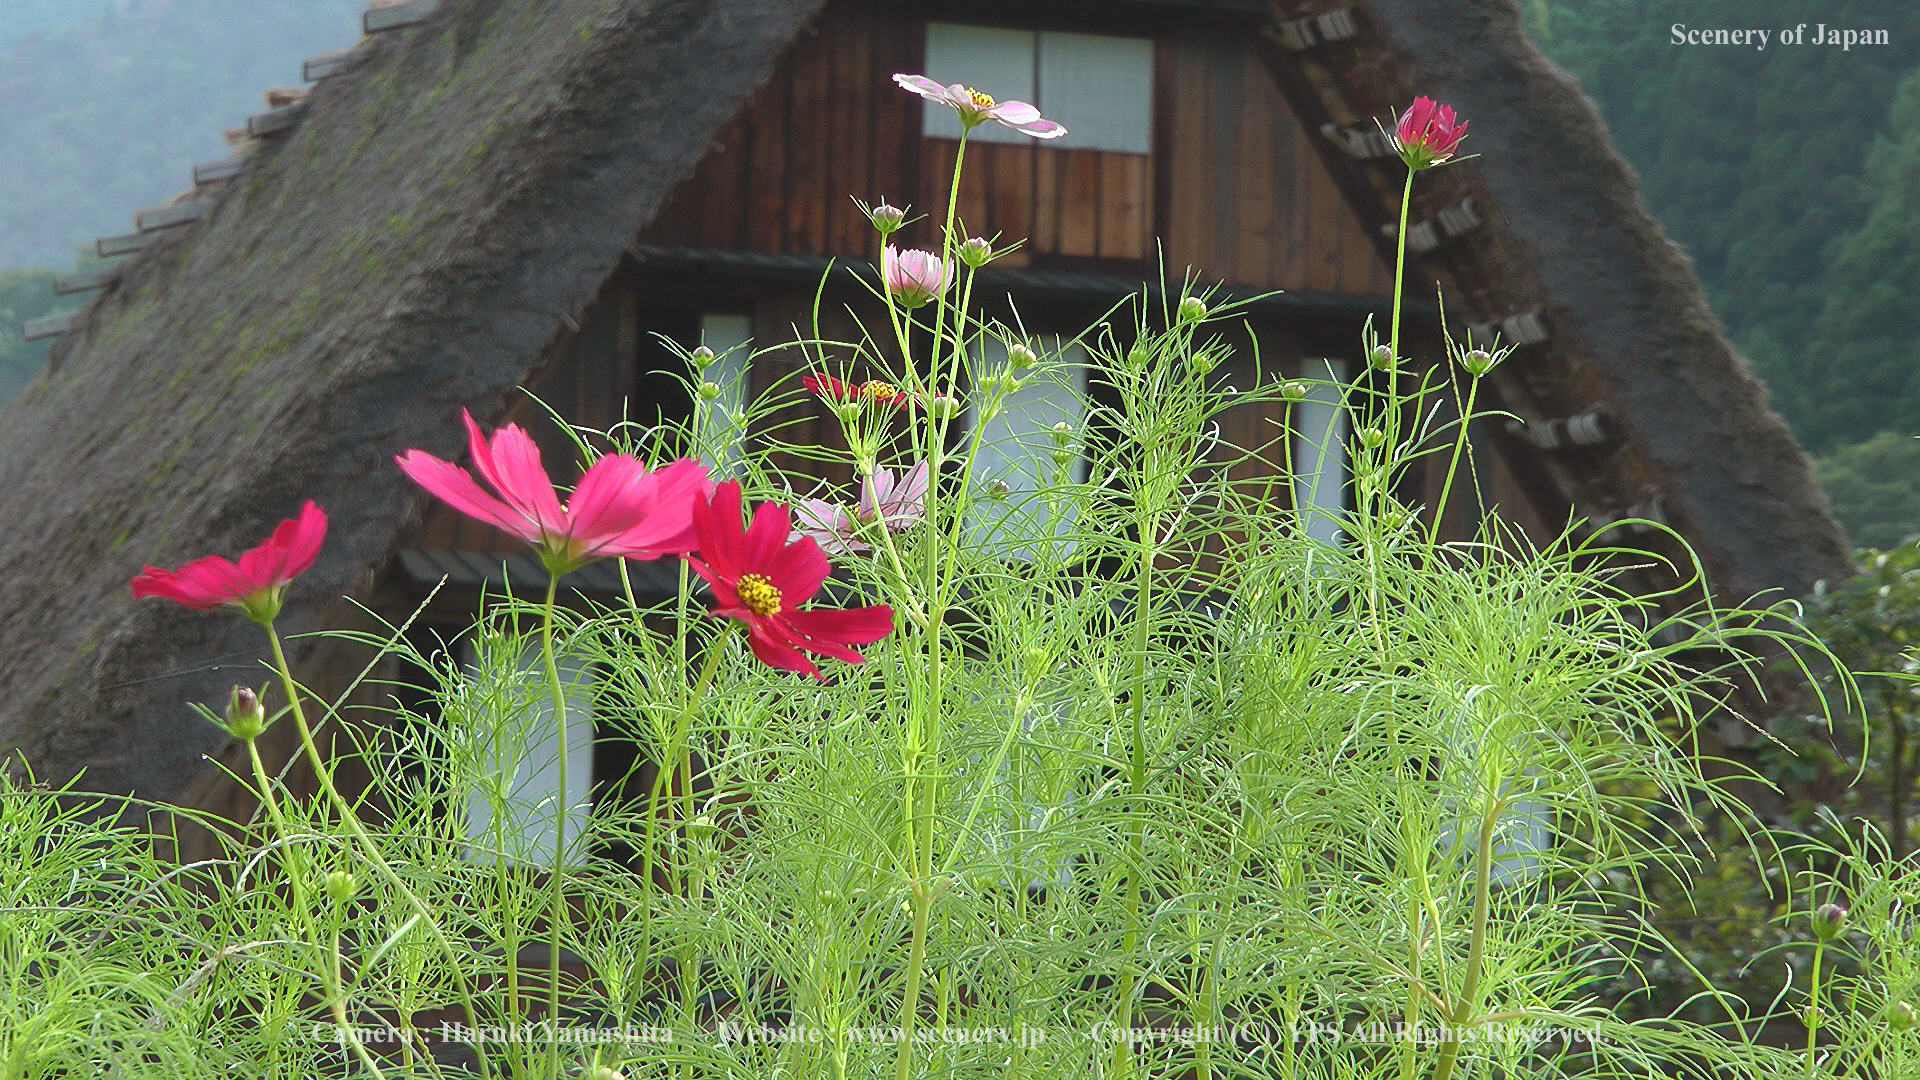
[887, 219]
[342, 886]
[1828, 921]
[1139, 356]
[703, 358]
[998, 489]
[1900, 1016]
[1381, 356]
[1021, 357]
[1295, 391]
[1063, 434]
[246, 718]
[710, 391]
[847, 411]
[1372, 437]
[976, 253]
[1192, 309]
[1477, 361]
[943, 406]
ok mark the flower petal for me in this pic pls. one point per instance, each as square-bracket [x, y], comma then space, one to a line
[857, 626]
[452, 485]
[776, 653]
[512, 465]
[925, 87]
[797, 570]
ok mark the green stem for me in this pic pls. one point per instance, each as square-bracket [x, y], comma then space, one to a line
[375, 858]
[556, 880]
[1477, 944]
[1813, 1006]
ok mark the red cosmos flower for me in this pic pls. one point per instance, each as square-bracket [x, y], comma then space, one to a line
[762, 580]
[256, 584]
[832, 389]
[1428, 134]
[618, 510]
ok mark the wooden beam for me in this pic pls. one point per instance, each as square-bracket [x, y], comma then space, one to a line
[1298, 35]
[166, 217]
[274, 121]
[327, 64]
[109, 246]
[395, 16]
[85, 280]
[212, 172]
[49, 326]
[1589, 428]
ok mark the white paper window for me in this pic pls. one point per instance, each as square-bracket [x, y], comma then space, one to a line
[510, 756]
[1320, 452]
[1099, 86]
[1016, 458]
[731, 339]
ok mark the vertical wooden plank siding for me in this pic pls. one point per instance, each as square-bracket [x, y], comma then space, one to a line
[1234, 191]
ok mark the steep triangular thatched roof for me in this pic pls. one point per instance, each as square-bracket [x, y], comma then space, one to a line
[463, 186]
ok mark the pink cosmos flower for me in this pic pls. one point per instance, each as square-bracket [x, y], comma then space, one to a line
[763, 579]
[1428, 134]
[618, 510]
[256, 584]
[900, 503]
[976, 108]
[914, 277]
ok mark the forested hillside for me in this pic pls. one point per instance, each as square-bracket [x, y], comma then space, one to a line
[1792, 177]
[104, 107]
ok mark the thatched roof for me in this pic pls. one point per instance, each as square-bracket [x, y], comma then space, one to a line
[409, 249]
[442, 209]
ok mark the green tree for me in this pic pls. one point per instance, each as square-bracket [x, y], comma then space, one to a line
[1875, 486]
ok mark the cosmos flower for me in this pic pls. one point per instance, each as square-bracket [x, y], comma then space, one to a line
[875, 390]
[618, 510]
[914, 277]
[1428, 134]
[762, 578]
[976, 108]
[901, 503]
[256, 584]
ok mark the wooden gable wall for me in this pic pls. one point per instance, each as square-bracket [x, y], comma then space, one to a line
[1233, 187]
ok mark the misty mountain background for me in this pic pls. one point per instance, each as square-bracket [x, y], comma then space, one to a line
[1790, 175]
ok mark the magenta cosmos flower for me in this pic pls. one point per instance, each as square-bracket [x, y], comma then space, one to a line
[976, 108]
[618, 510]
[901, 503]
[914, 277]
[1428, 134]
[762, 579]
[256, 584]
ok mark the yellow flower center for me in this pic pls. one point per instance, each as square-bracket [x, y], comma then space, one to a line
[758, 595]
[981, 99]
[876, 390]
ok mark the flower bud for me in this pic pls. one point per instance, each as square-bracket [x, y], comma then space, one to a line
[703, 358]
[1477, 361]
[246, 718]
[1192, 309]
[1203, 362]
[1139, 356]
[1828, 921]
[341, 886]
[1021, 357]
[1372, 437]
[943, 406]
[1381, 356]
[1294, 391]
[1812, 1016]
[602, 1072]
[1900, 1016]
[702, 827]
[1063, 434]
[710, 391]
[976, 253]
[847, 411]
[887, 219]
[998, 489]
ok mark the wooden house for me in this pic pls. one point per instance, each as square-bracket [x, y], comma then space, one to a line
[481, 196]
